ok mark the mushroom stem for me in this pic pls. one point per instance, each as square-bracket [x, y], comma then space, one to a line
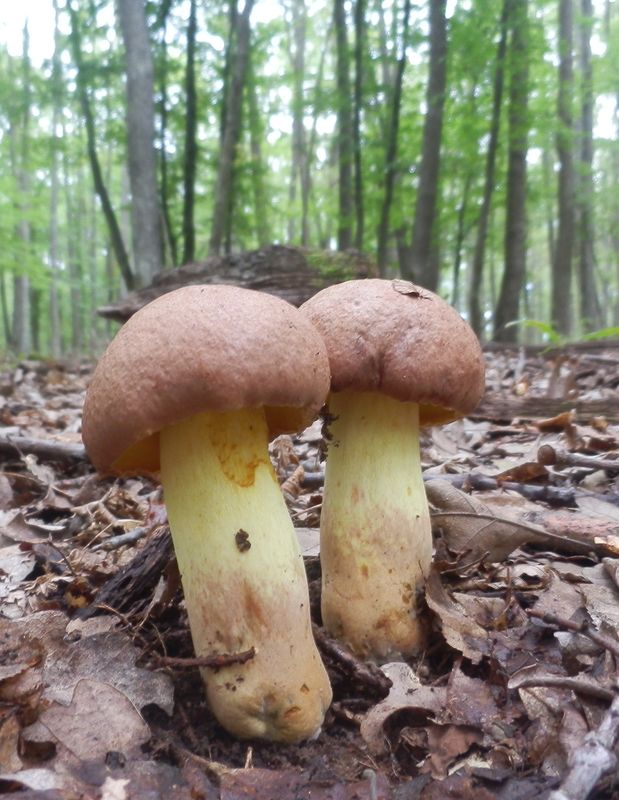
[243, 577]
[375, 534]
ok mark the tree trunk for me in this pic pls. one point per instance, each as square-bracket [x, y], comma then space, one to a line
[20, 146]
[461, 233]
[168, 229]
[306, 175]
[191, 144]
[256, 135]
[391, 150]
[477, 267]
[360, 45]
[419, 266]
[299, 154]
[590, 312]
[344, 129]
[116, 237]
[240, 42]
[54, 252]
[515, 243]
[562, 265]
[145, 215]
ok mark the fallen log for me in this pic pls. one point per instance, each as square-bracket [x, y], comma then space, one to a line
[292, 273]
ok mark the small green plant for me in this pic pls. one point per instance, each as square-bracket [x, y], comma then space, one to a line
[560, 340]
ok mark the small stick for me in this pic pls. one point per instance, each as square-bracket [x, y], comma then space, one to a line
[369, 674]
[578, 685]
[212, 662]
[49, 449]
[550, 456]
[577, 627]
[594, 758]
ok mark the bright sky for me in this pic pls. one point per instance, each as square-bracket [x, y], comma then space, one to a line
[40, 16]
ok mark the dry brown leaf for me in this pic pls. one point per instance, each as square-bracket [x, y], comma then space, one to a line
[99, 719]
[9, 741]
[107, 657]
[460, 631]
[447, 743]
[470, 702]
[475, 536]
[406, 693]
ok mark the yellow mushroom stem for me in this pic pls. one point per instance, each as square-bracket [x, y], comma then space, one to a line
[243, 577]
[375, 535]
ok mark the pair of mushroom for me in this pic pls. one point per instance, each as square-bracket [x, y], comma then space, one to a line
[194, 385]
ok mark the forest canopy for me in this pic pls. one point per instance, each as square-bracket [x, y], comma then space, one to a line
[469, 146]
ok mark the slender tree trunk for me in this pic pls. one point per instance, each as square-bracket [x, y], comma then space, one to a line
[232, 129]
[299, 155]
[306, 175]
[164, 193]
[360, 45]
[256, 135]
[562, 265]
[344, 129]
[547, 168]
[391, 151]
[54, 252]
[477, 267]
[116, 237]
[590, 312]
[461, 233]
[191, 144]
[22, 339]
[6, 317]
[420, 266]
[145, 214]
[515, 242]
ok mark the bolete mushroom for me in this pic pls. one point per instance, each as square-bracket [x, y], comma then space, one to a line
[400, 357]
[193, 385]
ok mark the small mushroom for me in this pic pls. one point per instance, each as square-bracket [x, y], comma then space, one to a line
[400, 357]
[192, 386]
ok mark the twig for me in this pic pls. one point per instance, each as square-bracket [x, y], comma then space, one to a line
[48, 449]
[130, 537]
[579, 685]
[551, 456]
[212, 662]
[594, 758]
[553, 495]
[577, 627]
[367, 673]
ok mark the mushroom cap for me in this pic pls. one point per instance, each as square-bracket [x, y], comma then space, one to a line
[201, 348]
[402, 340]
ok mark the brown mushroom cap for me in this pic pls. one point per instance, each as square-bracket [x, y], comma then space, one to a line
[201, 348]
[402, 340]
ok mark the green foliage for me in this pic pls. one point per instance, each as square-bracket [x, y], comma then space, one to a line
[553, 337]
[85, 272]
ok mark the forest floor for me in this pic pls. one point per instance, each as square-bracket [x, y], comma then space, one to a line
[515, 696]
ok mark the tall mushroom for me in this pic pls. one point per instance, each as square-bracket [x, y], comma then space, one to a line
[193, 385]
[400, 357]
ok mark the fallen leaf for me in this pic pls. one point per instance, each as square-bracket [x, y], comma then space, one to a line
[460, 631]
[98, 720]
[406, 693]
[446, 743]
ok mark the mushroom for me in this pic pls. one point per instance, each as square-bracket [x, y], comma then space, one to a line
[400, 357]
[193, 385]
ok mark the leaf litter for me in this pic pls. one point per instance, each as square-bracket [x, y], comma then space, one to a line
[519, 679]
